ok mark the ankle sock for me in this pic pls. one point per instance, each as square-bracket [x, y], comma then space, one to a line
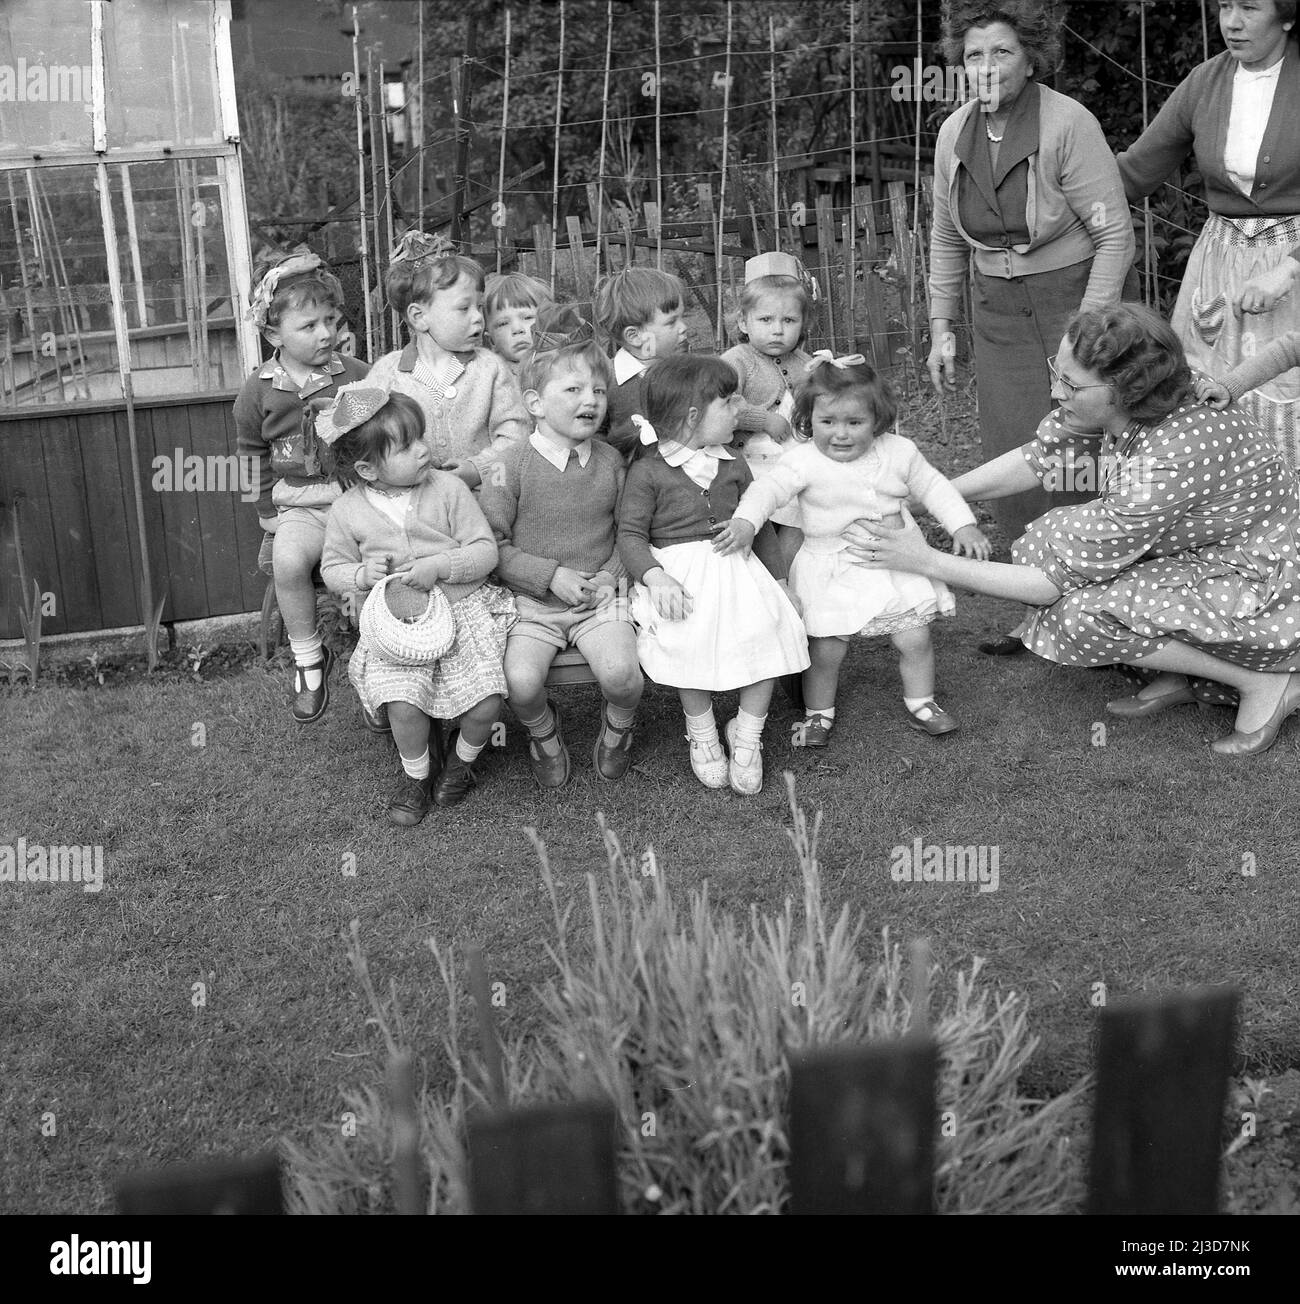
[616, 717]
[542, 724]
[309, 657]
[914, 704]
[468, 752]
[417, 767]
[827, 711]
[749, 730]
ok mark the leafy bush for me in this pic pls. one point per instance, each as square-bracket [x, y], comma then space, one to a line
[685, 1019]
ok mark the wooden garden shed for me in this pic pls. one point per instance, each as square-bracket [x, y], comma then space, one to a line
[124, 265]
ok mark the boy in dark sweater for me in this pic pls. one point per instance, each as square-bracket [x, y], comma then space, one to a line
[551, 503]
[643, 312]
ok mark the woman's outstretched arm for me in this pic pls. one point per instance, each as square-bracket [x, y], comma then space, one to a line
[1007, 474]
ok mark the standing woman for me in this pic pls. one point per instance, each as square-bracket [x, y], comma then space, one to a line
[1240, 114]
[1027, 196]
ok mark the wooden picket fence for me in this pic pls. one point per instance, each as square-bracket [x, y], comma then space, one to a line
[862, 1125]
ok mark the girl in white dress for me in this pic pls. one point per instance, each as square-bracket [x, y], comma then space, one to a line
[706, 622]
[857, 468]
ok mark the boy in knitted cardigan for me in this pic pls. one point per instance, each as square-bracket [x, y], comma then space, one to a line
[551, 502]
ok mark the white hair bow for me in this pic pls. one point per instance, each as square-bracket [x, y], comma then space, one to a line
[825, 355]
[648, 434]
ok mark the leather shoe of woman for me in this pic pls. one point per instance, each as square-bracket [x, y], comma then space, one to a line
[1261, 739]
[1006, 645]
[1137, 706]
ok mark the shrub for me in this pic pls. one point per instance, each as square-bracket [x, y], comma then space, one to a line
[688, 1017]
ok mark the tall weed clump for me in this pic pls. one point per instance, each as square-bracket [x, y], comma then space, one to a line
[684, 1018]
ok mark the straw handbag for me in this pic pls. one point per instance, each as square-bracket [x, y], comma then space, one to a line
[407, 626]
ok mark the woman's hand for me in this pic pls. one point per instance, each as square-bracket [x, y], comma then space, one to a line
[1265, 291]
[734, 536]
[1209, 391]
[971, 541]
[670, 600]
[875, 547]
[942, 362]
[423, 573]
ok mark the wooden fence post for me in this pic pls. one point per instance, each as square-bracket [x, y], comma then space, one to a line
[877, 321]
[1162, 1081]
[826, 256]
[544, 1159]
[862, 1129]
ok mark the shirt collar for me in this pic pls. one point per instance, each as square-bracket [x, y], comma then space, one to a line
[1265, 74]
[676, 454]
[444, 371]
[626, 366]
[319, 378]
[558, 454]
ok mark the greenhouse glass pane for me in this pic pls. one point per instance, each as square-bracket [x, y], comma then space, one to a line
[45, 77]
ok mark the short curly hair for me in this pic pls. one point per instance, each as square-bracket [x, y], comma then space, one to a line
[1036, 23]
[830, 381]
[1137, 353]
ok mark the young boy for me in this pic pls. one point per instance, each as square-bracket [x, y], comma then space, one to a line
[643, 312]
[551, 503]
[511, 304]
[298, 306]
[471, 404]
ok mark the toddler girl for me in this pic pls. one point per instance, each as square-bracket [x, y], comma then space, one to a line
[775, 307]
[298, 306]
[857, 467]
[471, 404]
[402, 517]
[707, 622]
[511, 305]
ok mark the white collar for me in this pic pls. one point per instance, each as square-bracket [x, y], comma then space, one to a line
[676, 454]
[558, 454]
[1262, 74]
[626, 365]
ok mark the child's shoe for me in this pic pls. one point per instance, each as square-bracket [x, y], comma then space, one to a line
[409, 803]
[309, 703]
[550, 768]
[612, 762]
[746, 769]
[709, 762]
[930, 718]
[456, 780]
[814, 731]
[378, 722]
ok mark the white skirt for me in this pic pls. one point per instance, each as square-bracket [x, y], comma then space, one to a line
[742, 628]
[840, 599]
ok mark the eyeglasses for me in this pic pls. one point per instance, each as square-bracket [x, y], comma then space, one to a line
[1071, 389]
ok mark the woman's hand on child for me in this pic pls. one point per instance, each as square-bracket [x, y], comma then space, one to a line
[735, 536]
[1209, 391]
[466, 471]
[424, 572]
[971, 541]
[670, 600]
[874, 547]
[572, 587]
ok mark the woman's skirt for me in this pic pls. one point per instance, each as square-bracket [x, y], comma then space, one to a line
[1229, 252]
[841, 599]
[469, 671]
[742, 628]
[1017, 325]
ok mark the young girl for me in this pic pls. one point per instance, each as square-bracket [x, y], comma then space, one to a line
[857, 467]
[471, 404]
[775, 306]
[404, 518]
[707, 622]
[512, 303]
[297, 305]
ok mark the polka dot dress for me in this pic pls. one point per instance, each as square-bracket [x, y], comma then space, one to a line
[1193, 539]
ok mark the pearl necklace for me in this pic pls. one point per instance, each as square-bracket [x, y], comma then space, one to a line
[988, 131]
[389, 493]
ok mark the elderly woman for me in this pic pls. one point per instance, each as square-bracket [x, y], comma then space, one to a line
[1238, 113]
[1187, 562]
[1026, 190]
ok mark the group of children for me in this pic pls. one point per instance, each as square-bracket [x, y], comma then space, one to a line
[668, 514]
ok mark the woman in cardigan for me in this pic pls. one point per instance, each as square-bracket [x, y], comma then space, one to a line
[1187, 562]
[1026, 190]
[1238, 113]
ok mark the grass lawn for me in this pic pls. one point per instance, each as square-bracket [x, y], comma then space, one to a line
[1119, 864]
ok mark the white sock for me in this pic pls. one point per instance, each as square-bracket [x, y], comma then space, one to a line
[541, 725]
[702, 728]
[914, 704]
[417, 767]
[810, 711]
[749, 729]
[309, 657]
[468, 752]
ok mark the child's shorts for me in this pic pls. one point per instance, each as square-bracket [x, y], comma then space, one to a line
[302, 529]
[562, 627]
